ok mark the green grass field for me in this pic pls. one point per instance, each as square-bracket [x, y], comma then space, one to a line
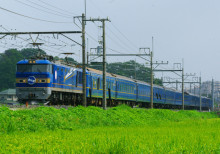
[117, 130]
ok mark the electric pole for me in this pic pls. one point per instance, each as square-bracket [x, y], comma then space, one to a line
[151, 81]
[176, 85]
[182, 88]
[87, 52]
[151, 77]
[135, 75]
[84, 60]
[200, 91]
[104, 102]
[213, 100]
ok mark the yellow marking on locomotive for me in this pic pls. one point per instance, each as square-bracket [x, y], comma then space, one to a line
[38, 80]
[69, 77]
[46, 80]
[21, 80]
[68, 85]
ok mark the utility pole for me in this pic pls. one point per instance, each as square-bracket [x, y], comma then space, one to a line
[213, 100]
[151, 78]
[190, 88]
[84, 60]
[182, 84]
[152, 81]
[176, 85]
[104, 102]
[87, 52]
[135, 75]
[200, 98]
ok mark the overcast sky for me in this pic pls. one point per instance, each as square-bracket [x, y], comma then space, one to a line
[182, 29]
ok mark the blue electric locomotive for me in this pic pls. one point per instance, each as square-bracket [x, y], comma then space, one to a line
[45, 81]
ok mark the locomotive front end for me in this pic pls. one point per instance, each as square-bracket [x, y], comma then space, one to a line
[33, 80]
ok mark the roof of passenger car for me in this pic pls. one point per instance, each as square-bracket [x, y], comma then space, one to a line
[110, 74]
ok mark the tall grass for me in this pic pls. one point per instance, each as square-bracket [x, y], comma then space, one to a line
[184, 137]
[49, 118]
[117, 130]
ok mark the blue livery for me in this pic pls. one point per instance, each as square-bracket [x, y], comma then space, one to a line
[56, 83]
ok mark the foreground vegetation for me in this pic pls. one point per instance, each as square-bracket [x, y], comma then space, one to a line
[117, 130]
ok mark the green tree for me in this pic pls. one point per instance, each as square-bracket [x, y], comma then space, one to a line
[130, 69]
[8, 68]
[8, 61]
[31, 52]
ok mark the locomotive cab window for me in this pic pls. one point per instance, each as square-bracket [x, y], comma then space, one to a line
[34, 68]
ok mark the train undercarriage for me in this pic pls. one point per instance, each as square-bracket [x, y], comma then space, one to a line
[75, 99]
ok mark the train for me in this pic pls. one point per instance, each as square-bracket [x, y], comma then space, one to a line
[52, 82]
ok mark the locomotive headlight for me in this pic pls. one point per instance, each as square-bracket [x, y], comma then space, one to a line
[31, 61]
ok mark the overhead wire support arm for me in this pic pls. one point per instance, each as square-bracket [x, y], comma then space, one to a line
[3, 36]
[181, 82]
[97, 19]
[71, 39]
[52, 32]
[158, 64]
[167, 70]
[121, 55]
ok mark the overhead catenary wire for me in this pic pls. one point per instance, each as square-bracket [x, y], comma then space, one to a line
[50, 9]
[48, 4]
[34, 17]
[7, 45]
[90, 36]
[127, 50]
[10, 45]
[121, 41]
[47, 46]
[113, 40]
[87, 34]
[123, 35]
[39, 9]
[27, 40]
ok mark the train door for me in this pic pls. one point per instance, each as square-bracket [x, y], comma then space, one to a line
[136, 92]
[109, 89]
[116, 89]
[165, 96]
[113, 89]
[54, 76]
[91, 85]
[77, 77]
[60, 77]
